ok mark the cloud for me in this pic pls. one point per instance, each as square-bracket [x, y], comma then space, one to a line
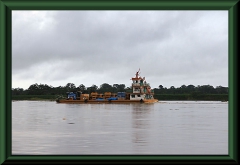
[95, 47]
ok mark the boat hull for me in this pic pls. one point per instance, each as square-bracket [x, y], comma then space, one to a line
[105, 101]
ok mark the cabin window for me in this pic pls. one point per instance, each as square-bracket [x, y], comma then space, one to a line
[136, 89]
[138, 95]
[133, 96]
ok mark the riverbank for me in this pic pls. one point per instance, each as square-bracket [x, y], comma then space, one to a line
[173, 97]
[194, 97]
[35, 97]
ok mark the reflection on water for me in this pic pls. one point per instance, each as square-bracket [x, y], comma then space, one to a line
[140, 122]
[164, 128]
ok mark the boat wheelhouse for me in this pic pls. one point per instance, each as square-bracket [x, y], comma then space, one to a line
[141, 90]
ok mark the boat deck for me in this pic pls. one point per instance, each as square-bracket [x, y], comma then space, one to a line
[106, 101]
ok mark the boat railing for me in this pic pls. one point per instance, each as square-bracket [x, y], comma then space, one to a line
[136, 91]
[135, 84]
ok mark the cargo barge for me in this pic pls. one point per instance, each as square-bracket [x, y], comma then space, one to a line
[141, 92]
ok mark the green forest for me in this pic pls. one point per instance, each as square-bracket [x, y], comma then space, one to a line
[185, 92]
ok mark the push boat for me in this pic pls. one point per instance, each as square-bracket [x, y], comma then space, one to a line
[140, 92]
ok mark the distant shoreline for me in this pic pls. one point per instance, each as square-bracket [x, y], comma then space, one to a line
[160, 97]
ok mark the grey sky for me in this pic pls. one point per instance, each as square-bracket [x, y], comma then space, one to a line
[171, 48]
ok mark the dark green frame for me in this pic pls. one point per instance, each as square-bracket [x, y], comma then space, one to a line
[6, 6]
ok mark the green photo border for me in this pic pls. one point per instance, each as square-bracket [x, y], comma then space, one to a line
[6, 7]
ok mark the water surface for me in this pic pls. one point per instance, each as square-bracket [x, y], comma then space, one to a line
[163, 128]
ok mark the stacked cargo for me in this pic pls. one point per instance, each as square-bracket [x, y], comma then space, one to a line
[72, 96]
[84, 97]
[107, 95]
[94, 95]
[121, 95]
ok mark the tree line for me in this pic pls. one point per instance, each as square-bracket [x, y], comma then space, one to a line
[44, 89]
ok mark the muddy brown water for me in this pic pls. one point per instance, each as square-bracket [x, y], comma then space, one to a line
[163, 128]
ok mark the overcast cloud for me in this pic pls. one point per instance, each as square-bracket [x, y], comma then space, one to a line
[171, 48]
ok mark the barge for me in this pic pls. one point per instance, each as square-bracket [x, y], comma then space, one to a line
[140, 92]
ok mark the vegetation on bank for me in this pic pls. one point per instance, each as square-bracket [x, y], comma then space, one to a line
[189, 92]
[203, 97]
[34, 97]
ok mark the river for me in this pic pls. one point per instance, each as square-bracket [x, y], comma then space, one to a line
[163, 128]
